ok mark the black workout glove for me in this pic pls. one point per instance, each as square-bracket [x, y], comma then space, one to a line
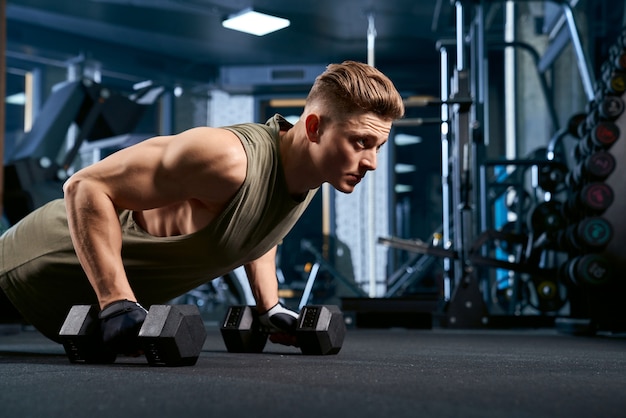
[281, 323]
[120, 323]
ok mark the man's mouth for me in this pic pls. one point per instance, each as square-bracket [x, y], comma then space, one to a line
[355, 178]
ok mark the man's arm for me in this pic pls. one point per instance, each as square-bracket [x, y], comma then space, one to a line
[262, 277]
[279, 320]
[203, 165]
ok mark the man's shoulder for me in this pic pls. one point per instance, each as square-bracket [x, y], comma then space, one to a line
[255, 133]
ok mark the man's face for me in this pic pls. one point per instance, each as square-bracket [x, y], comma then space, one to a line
[351, 147]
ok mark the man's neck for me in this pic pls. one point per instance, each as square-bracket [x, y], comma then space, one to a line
[299, 171]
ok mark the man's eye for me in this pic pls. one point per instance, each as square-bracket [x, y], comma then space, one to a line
[361, 142]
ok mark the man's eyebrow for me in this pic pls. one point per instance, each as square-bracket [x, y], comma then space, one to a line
[364, 135]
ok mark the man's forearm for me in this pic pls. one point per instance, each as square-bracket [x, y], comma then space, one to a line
[97, 238]
[262, 277]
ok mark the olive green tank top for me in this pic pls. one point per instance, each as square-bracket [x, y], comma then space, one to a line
[41, 275]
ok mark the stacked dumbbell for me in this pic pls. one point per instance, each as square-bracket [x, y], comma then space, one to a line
[598, 130]
[592, 188]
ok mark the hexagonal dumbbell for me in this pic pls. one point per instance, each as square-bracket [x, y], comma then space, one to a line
[320, 330]
[171, 335]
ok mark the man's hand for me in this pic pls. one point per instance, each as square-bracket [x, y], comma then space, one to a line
[281, 323]
[120, 323]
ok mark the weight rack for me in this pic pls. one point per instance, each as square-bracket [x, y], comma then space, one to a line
[557, 257]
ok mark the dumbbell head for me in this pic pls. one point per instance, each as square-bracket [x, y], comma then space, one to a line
[593, 233]
[596, 196]
[619, 61]
[241, 330]
[548, 295]
[172, 335]
[599, 165]
[611, 107]
[546, 216]
[590, 234]
[81, 337]
[321, 329]
[615, 82]
[596, 166]
[604, 134]
[589, 270]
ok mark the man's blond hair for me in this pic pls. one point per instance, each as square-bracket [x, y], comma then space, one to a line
[353, 87]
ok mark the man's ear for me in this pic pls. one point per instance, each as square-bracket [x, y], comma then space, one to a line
[312, 126]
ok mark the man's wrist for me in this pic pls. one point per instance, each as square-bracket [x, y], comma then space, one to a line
[112, 298]
[264, 306]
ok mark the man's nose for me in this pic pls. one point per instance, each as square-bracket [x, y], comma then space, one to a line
[370, 160]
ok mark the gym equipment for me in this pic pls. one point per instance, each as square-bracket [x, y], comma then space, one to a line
[80, 335]
[611, 107]
[595, 167]
[575, 124]
[549, 295]
[614, 81]
[480, 247]
[546, 216]
[241, 330]
[320, 331]
[590, 234]
[617, 56]
[588, 270]
[172, 335]
[596, 196]
[39, 164]
[592, 199]
[605, 108]
[551, 176]
[600, 136]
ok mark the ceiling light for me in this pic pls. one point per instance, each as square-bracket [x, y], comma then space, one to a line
[402, 188]
[404, 168]
[16, 99]
[255, 23]
[405, 139]
[142, 84]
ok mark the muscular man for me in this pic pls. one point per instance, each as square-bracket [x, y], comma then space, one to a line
[157, 219]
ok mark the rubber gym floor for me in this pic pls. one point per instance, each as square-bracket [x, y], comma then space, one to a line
[378, 373]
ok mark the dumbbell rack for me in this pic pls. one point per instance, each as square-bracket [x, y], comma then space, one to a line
[602, 303]
[577, 233]
[567, 272]
[589, 270]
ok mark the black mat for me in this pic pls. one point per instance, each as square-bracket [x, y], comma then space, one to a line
[378, 373]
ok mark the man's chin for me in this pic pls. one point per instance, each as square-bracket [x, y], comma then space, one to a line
[346, 189]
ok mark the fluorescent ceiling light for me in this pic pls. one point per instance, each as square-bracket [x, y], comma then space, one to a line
[402, 188]
[404, 168]
[255, 23]
[16, 99]
[405, 139]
